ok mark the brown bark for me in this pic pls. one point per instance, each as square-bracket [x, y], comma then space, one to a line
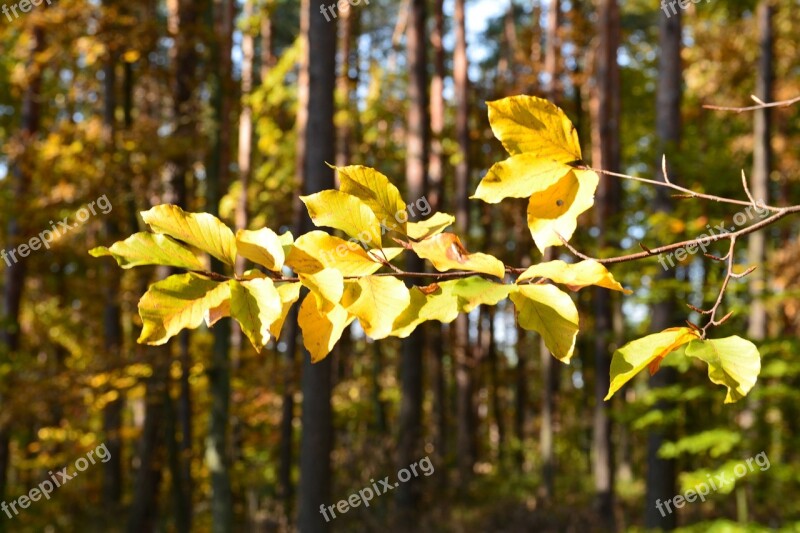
[605, 116]
[418, 143]
[317, 438]
[661, 472]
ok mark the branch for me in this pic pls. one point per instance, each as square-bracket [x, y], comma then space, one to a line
[760, 105]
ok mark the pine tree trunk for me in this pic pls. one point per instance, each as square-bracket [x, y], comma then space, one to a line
[317, 438]
[661, 472]
[605, 116]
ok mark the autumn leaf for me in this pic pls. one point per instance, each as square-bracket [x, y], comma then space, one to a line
[321, 330]
[200, 230]
[339, 210]
[375, 190]
[149, 249]
[733, 362]
[519, 176]
[263, 247]
[317, 250]
[574, 275]
[647, 351]
[528, 124]
[446, 252]
[289, 293]
[551, 313]
[428, 228]
[178, 302]
[255, 305]
[377, 301]
[555, 210]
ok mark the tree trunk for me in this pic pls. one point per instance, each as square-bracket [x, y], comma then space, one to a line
[605, 116]
[317, 438]
[418, 143]
[465, 364]
[661, 472]
[762, 164]
[16, 272]
[217, 452]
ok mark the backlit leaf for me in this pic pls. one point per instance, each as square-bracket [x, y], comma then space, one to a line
[262, 247]
[433, 226]
[200, 230]
[178, 302]
[527, 124]
[317, 250]
[150, 249]
[375, 190]
[337, 209]
[574, 275]
[446, 252]
[519, 176]
[550, 312]
[377, 301]
[733, 362]
[289, 294]
[327, 285]
[255, 304]
[650, 350]
[555, 210]
[321, 331]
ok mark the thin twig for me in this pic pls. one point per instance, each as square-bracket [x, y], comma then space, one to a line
[762, 105]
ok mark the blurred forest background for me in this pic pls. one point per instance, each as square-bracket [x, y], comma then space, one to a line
[233, 108]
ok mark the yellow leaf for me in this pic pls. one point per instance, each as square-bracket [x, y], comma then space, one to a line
[178, 302]
[574, 275]
[317, 250]
[446, 252]
[289, 293]
[377, 301]
[255, 304]
[519, 176]
[327, 285]
[647, 351]
[527, 124]
[556, 209]
[378, 193]
[550, 312]
[149, 249]
[200, 230]
[262, 247]
[321, 331]
[337, 209]
[428, 228]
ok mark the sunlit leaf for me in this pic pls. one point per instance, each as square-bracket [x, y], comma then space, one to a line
[263, 247]
[377, 301]
[339, 210]
[317, 250]
[733, 362]
[527, 124]
[289, 294]
[150, 249]
[327, 285]
[519, 176]
[176, 303]
[550, 312]
[574, 275]
[255, 304]
[446, 252]
[321, 331]
[647, 351]
[555, 210]
[433, 226]
[200, 230]
[375, 190]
